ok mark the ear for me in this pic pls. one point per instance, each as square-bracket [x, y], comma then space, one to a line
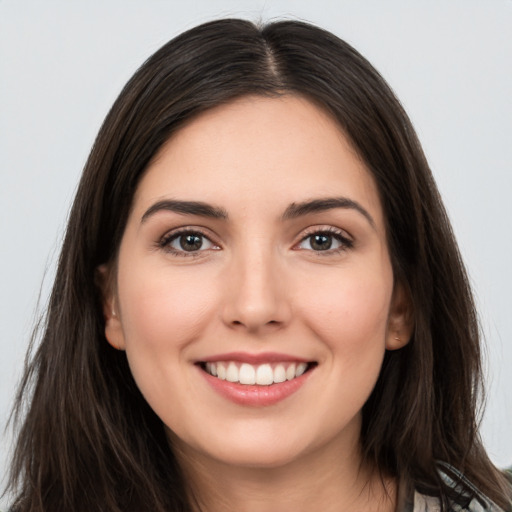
[113, 327]
[401, 318]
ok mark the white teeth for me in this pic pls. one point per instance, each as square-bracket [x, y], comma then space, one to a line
[262, 375]
[301, 368]
[232, 373]
[290, 372]
[247, 374]
[221, 371]
[279, 373]
[211, 369]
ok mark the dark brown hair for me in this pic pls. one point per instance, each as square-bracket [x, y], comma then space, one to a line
[89, 441]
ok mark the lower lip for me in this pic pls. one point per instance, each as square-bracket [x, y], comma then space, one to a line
[253, 395]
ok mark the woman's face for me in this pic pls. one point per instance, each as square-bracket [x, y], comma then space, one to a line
[255, 296]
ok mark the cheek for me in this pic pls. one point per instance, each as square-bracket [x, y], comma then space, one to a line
[163, 309]
[162, 314]
[350, 313]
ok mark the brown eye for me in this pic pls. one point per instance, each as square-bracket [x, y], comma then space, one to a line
[320, 242]
[323, 241]
[190, 242]
[187, 242]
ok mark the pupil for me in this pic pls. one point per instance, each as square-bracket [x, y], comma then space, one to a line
[321, 242]
[190, 242]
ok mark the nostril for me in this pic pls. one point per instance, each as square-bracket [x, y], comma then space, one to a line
[269, 323]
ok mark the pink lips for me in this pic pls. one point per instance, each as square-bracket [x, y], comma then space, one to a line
[264, 357]
[255, 395]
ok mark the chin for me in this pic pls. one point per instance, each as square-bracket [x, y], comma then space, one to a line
[258, 457]
[242, 451]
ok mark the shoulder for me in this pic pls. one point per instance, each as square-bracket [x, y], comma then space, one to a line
[466, 497]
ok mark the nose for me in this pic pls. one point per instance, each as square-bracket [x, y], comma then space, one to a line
[256, 297]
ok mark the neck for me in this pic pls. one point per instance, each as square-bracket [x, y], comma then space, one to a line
[324, 481]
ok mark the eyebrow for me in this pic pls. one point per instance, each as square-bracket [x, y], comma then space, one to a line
[292, 212]
[320, 205]
[186, 208]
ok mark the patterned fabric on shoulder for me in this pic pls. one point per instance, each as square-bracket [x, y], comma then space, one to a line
[468, 497]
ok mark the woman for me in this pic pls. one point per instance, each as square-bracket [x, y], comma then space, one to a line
[259, 303]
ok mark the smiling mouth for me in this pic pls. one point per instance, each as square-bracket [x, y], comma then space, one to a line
[264, 374]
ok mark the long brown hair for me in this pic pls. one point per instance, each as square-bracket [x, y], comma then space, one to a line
[88, 440]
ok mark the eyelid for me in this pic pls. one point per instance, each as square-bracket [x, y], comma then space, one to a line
[164, 241]
[341, 235]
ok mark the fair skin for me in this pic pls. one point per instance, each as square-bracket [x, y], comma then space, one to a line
[286, 266]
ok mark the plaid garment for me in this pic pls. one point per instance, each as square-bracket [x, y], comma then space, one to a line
[469, 498]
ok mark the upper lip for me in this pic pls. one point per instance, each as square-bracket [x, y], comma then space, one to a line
[261, 358]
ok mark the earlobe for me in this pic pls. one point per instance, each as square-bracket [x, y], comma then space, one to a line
[401, 319]
[113, 327]
[395, 343]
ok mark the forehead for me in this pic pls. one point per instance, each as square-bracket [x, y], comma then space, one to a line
[259, 149]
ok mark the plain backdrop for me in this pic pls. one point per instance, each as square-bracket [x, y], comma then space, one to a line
[62, 64]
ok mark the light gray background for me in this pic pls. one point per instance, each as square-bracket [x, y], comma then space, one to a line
[62, 64]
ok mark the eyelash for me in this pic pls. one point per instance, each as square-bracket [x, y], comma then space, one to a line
[338, 235]
[165, 242]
